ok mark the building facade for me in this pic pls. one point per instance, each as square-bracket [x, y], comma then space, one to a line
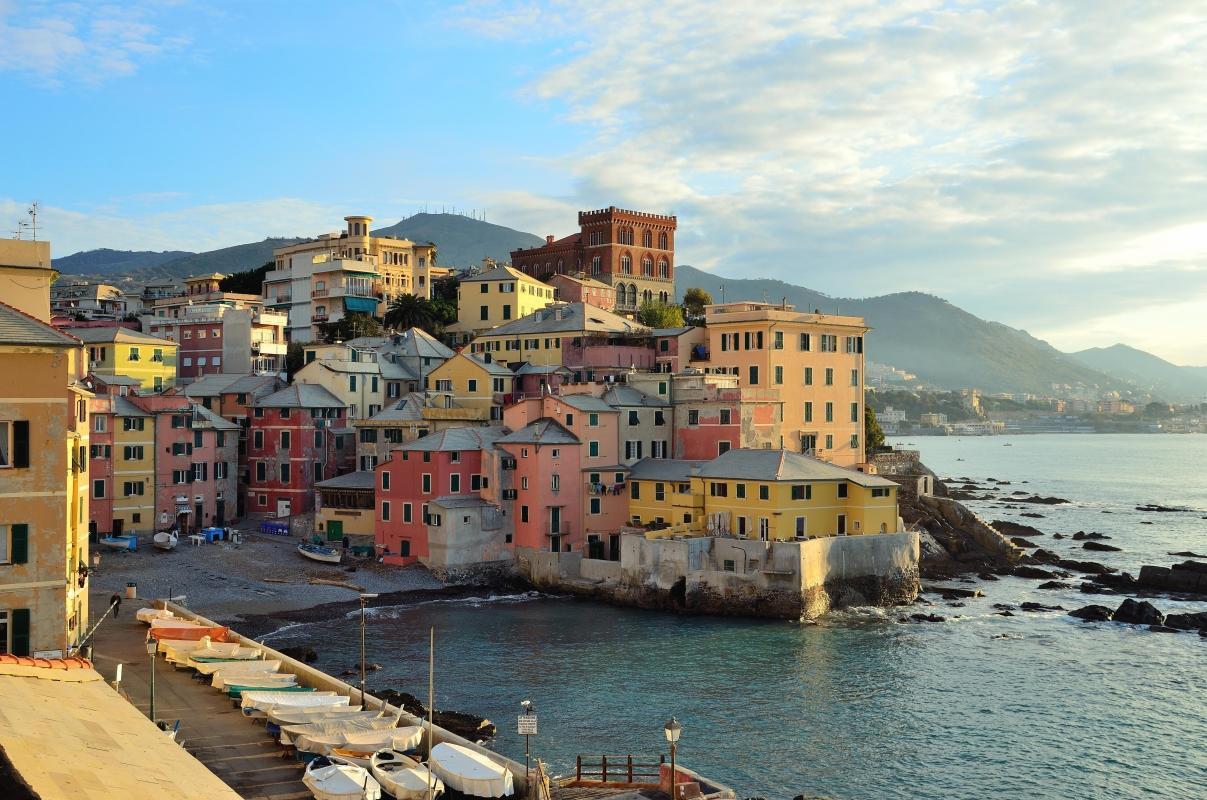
[488, 299]
[150, 360]
[581, 289]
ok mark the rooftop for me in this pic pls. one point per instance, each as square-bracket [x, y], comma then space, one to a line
[500, 273]
[664, 469]
[364, 479]
[119, 334]
[542, 431]
[300, 395]
[17, 327]
[454, 439]
[569, 318]
[625, 396]
[211, 420]
[782, 465]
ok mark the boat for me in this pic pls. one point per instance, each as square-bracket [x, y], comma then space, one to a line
[258, 704]
[193, 632]
[148, 614]
[179, 651]
[354, 742]
[223, 677]
[328, 780]
[119, 542]
[275, 683]
[469, 771]
[316, 552]
[303, 716]
[165, 540]
[403, 777]
[328, 733]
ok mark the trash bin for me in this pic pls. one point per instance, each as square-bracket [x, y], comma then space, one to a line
[131, 591]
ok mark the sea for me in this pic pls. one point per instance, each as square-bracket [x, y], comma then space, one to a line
[860, 704]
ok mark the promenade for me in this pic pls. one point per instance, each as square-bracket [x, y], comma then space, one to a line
[230, 745]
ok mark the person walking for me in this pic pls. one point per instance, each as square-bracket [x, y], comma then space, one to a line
[116, 602]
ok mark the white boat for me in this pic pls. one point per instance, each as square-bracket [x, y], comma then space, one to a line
[258, 704]
[303, 716]
[316, 552]
[148, 614]
[173, 622]
[119, 542]
[469, 771]
[332, 729]
[402, 776]
[328, 780]
[165, 540]
[224, 679]
[355, 742]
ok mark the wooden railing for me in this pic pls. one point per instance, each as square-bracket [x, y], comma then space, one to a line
[620, 769]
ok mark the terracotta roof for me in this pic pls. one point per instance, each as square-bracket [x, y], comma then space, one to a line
[44, 663]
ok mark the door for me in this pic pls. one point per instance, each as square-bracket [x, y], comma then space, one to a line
[742, 526]
[764, 528]
[555, 519]
[335, 530]
[555, 544]
[220, 513]
[92, 531]
[197, 516]
[117, 527]
[842, 524]
[282, 508]
[614, 547]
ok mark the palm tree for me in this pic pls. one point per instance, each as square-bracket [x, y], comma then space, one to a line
[411, 311]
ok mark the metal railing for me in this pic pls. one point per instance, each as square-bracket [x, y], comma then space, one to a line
[620, 769]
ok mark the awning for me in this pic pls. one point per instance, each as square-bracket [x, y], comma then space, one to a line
[365, 305]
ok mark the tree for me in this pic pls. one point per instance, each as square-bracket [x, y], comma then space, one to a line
[873, 434]
[656, 314]
[412, 311]
[295, 358]
[694, 300]
[352, 326]
[445, 289]
[248, 282]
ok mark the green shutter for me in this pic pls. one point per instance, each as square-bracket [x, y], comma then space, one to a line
[20, 544]
[20, 631]
[20, 443]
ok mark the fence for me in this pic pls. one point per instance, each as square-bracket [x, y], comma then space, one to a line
[620, 769]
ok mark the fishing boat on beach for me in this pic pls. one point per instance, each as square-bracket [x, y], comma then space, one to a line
[165, 540]
[469, 771]
[316, 552]
[119, 542]
[328, 780]
[402, 777]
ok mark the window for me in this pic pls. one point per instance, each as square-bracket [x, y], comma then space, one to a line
[779, 375]
[98, 489]
[854, 441]
[201, 361]
[454, 483]
[14, 444]
[196, 438]
[260, 471]
[778, 342]
[201, 472]
[257, 440]
[385, 510]
[854, 412]
[754, 376]
[134, 452]
[842, 491]
[829, 376]
[593, 449]
[660, 491]
[808, 411]
[726, 416]
[802, 492]
[368, 435]
[717, 489]
[854, 377]
[285, 440]
[592, 420]
[764, 492]
[135, 488]
[352, 383]
[181, 476]
[739, 491]
[220, 470]
[881, 491]
[133, 356]
[808, 376]
[427, 483]
[634, 490]
[722, 447]
[633, 419]
[472, 385]
[693, 417]
[829, 412]
[524, 483]
[286, 413]
[800, 526]
[829, 343]
[829, 441]
[285, 473]
[98, 424]
[201, 333]
[596, 506]
[406, 512]
[523, 513]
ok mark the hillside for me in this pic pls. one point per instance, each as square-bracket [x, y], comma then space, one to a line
[942, 344]
[105, 261]
[461, 241]
[1167, 381]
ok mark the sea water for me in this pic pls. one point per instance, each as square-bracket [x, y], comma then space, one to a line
[861, 705]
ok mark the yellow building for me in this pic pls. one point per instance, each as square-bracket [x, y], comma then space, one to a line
[773, 495]
[473, 383]
[346, 509]
[133, 488]
[813, 360]
[43, 464]
[578, 336]
[488, 299]
[121, 351]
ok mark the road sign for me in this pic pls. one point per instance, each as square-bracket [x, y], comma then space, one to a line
[527, 725]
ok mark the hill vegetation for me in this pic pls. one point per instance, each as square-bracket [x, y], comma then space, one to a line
[105, 261]
[1146, 371]
[461, 241]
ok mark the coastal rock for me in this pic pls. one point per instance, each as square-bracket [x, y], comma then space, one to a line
[987, 576]
[469, 726]
[1045, 556]
[1138, 612]
[1040, 607]
[1188, 622]
[1101, 548]
[1091, 567]
[1162, 629]
[1164, 509]
[1008, 528]
[1058, 536]
[1032, 514]
[1033, 572]
[1053, 585]
[1021, 542]
[1083, 536]
[1188, 554]
[1093, 613]
[1046, 501]
[927, 618]
[307, 655]
[1005, 613]
[1146, 522]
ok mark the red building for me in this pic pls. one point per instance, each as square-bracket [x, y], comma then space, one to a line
[298, 437]
[438, 466]
[631, 251]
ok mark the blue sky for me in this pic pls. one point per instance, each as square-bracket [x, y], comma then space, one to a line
[1037, 164]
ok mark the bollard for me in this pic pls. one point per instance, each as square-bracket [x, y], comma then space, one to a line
[131, 591]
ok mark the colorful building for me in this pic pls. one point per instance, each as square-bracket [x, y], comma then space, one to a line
[815, 363]
[473, 383]
[298, 438]
[439, 466]
[588, 341]
[87, 300]
[631, 251]
[121, 351]
[773, 495]
[44, 480]
[346, 510]
[488, 299]
[581, 289]
[547, 485]
[412, 417]
[132, 470]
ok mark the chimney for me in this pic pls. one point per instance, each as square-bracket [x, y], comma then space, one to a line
[549, 239]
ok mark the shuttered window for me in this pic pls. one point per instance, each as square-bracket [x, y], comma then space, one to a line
[19, 631]
[18, 550]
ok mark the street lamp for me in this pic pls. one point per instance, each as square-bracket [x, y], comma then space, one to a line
[363, 598]
[672, 729]
[152, 644]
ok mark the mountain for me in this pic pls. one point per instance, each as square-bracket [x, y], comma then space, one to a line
[226, 260]
[461, 241]
[1156, 375]
[920, 333]
[105, 261]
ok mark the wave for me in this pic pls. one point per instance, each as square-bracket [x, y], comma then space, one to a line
[281, 630]
[474, 601]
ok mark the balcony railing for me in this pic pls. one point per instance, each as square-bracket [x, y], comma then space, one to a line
[318, 317]
[563, 529]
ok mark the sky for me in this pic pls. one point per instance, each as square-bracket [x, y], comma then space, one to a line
[1041, 164]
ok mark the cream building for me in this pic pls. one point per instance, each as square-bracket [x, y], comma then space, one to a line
[488, 299]
[351, 271]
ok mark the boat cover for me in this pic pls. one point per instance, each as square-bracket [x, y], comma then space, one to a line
[148, 614]
[353, 741]
[342, 782]
[243, 677]
[331, 730]
[470, 772]
[195, 632]
[302, 716]
[258, 704]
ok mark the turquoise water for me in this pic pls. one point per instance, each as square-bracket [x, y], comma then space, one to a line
[859, 706]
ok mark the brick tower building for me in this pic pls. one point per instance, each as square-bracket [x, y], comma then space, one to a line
[632, 251]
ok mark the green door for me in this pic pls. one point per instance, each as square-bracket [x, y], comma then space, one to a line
[335, 530]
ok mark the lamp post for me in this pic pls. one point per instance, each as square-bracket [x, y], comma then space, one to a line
[363, 598]
[151, 646]
[672, 730]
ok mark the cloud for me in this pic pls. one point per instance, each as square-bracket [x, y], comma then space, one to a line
[59, 42]
[975, 149]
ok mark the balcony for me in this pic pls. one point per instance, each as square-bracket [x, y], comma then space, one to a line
[318, 317]
[563, 528]
[270, 348]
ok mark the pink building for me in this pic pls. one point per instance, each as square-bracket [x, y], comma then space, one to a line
[676, 348]
[581, 289]
[546, 484]
[434, 469]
